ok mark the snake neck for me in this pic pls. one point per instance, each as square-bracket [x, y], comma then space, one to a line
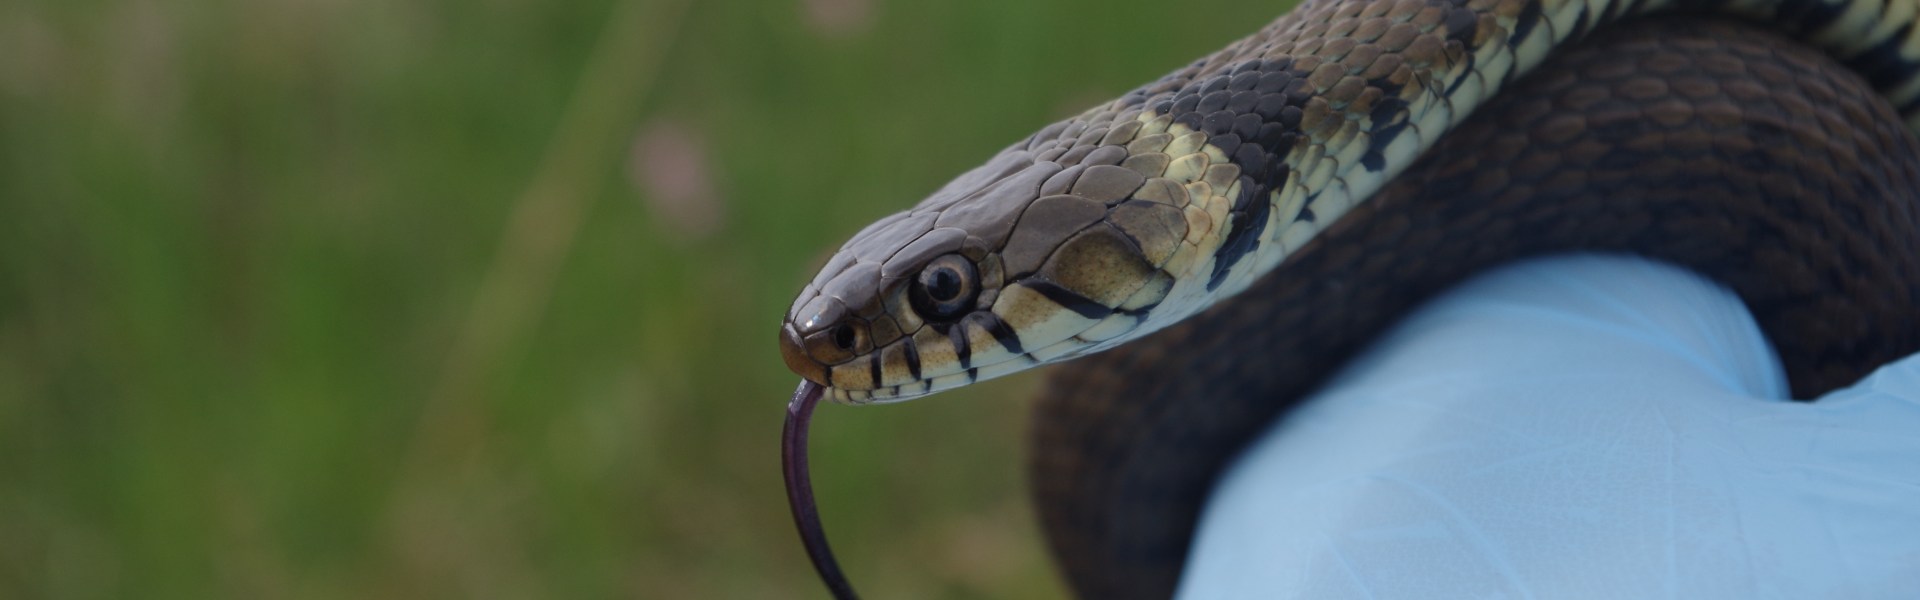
[1282, 133]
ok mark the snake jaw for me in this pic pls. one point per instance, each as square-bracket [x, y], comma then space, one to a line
[1030, 322]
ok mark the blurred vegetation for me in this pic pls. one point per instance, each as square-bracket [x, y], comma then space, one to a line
[365, 298]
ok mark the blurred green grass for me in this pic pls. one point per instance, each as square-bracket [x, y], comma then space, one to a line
[353, 298]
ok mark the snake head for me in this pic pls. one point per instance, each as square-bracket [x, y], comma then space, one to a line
[1059, 246]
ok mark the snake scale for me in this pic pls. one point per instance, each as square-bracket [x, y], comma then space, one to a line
[1220, 240]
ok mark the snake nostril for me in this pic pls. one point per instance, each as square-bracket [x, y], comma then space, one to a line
[844, 337]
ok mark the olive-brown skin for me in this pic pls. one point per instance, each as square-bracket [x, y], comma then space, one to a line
[1724, 148]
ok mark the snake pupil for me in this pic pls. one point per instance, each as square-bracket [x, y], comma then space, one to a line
[945, 285]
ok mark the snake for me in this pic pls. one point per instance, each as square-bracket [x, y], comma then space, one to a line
[1200, 253]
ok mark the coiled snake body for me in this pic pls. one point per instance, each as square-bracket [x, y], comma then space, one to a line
[1237, 229]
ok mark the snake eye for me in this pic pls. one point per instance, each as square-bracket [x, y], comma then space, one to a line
[945, 288]
[844, 337]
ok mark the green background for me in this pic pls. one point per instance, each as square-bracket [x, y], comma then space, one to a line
[430, 299]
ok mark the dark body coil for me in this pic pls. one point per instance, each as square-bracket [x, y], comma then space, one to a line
[1729, 149]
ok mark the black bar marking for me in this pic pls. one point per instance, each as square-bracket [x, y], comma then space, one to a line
[1373, 161]
[1615, 9]
[1807, 16]
[1389, 119]
[1580, 26]
[1882, 64]
[1469, 72]
[1070, 299]
[1524, 23]
[961, 349]
[1907, 109]
[1007, 337]
[1241, 239]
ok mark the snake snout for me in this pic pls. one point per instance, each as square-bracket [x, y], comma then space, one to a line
[793, 350]
[856, 349]
[832, 342]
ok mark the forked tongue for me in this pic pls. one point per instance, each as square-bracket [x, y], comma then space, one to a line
[806, 514]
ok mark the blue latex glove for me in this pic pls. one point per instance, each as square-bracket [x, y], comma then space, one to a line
[1584, 427]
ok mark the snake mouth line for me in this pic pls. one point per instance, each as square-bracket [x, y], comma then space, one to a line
[966, 374]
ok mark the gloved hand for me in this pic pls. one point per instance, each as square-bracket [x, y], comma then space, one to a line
[1581, 427]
